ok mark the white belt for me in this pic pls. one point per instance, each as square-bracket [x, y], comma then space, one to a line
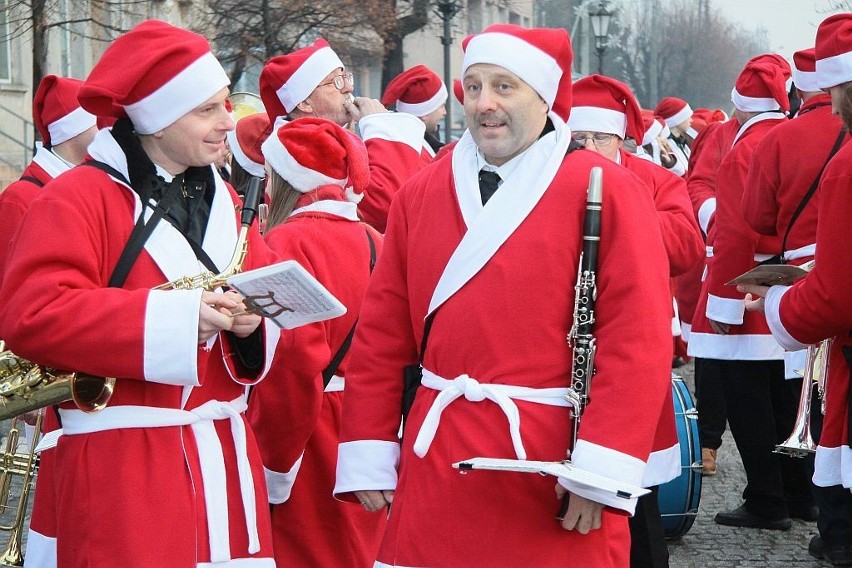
[209, 454]
[474, 391]
[336, 384]
[801, 252]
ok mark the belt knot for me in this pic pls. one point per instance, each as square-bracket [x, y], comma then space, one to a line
[470, 387]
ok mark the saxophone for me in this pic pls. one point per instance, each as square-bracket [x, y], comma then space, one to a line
[27, 386]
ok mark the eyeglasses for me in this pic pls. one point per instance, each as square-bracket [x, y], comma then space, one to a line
[340, 81]
[599, 139]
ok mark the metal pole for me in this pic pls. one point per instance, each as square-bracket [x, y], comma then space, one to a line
[448, 77]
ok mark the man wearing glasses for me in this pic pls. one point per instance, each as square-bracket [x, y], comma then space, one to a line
[313, 81]
[604, 112]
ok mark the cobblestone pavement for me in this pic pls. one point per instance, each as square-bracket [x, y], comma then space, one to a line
[708, 545]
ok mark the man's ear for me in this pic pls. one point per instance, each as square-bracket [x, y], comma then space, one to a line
[305, 106]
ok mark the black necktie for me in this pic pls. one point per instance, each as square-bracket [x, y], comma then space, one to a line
[488, 182]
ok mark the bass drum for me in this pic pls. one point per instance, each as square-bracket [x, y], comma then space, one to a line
[679, 498]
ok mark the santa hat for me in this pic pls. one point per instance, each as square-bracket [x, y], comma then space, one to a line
[834, 51]
[154, 74]
[804, 71]
[763, 85]
[652, 125]
[314, 152]
[540, 57]
[245, 141]
[418, 91]
[56, 111]
[458, 91]
[287, 80]
[673, 111]
[602, 104]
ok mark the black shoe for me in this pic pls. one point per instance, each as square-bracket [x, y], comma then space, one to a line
[807, 513]
[739, 517]
[836, 555]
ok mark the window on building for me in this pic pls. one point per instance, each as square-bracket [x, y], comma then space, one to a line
[474, 15]
[5, 44]
[515, 18]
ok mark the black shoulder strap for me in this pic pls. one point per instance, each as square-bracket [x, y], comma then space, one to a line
[32, 180]
[812, 189]
[329, 371]
[141, 231]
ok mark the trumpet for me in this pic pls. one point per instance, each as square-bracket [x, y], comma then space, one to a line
[15, 462]
[800, 442]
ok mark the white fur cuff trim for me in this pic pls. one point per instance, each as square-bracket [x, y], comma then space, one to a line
[41, 550]
[171, 337]
[833, 466]
[366, 464]
[394, 127]
[725, 310]
[772, 305]
[279, 485]
[605, 461]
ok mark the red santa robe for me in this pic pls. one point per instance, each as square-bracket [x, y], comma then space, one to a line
[684, 248]
[736, 249]
[170, 461]
[296, 423]
[499, 280]
[394, 143]
[785, 165]
[14, 202]
[818, 307]
[712, 144]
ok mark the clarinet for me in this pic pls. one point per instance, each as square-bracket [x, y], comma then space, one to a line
[580, 338]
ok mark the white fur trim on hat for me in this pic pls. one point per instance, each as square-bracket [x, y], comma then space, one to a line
[192, 86]
[833, 71]
[653, 131]
[245, 162]
[597, 119]
[426, 107]
[72, 124]
[753, 104]
[535, 67]
[681, 116]
[307, 77]
[807, 81]
[285, 165]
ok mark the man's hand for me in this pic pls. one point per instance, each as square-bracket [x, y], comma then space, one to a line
[374, 500]
[719, 327]
[244, 322]
[214, 315]
[583, 514]
[754, 300]
[360, 107]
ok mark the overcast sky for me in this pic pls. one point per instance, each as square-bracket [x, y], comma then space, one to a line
[790, 24]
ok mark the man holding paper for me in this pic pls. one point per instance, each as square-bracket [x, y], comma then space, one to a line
[170, 461]
[487, 272]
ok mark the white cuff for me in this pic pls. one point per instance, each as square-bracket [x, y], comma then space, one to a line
[171, 337]
[705, 213]
[366, 464]
[279, 485]
[772, 306]
[394, 127]
[605, 461]
[725, 310]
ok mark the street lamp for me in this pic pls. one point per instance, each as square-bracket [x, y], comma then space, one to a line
[600, 17]
[446, 10]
